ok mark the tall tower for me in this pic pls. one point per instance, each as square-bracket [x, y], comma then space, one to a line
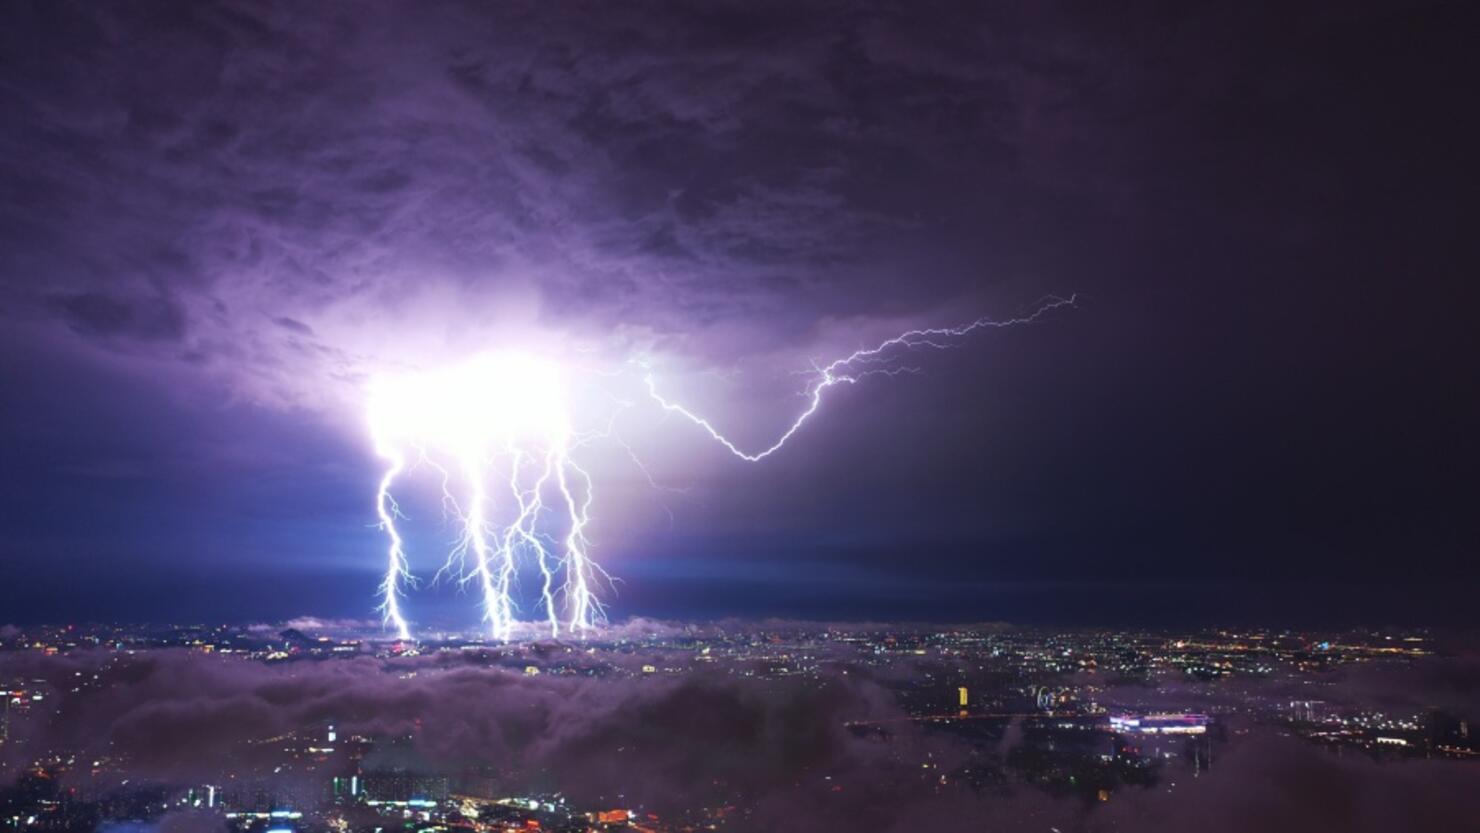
[961, 694]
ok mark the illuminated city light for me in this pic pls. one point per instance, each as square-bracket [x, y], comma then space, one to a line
[1165, 724]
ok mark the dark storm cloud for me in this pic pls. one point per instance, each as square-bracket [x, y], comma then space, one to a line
[103, 315]
[293, 325]
[661, 170]
[232, 212]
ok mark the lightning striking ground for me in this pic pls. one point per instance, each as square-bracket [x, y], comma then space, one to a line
[502, 423]
[397, 571]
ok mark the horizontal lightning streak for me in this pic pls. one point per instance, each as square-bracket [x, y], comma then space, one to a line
[840, 371]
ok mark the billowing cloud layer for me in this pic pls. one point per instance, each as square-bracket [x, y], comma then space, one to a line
[294, 195]
[216, 218]
[669, 743]
[663, 742]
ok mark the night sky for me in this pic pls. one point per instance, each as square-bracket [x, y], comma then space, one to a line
[217, 220]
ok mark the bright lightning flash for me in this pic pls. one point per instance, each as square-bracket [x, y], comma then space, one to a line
[878, 360]
[498, 428]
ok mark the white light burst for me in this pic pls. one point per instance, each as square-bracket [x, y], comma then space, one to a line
[499, 432]
[498, 429]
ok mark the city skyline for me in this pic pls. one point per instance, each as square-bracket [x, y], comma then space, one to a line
[312, 726]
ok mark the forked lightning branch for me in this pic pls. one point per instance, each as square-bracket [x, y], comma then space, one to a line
[499, 436]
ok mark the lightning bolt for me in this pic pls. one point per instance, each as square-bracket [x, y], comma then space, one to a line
[586, 610]
[504, 427]
[852, 368]
[521, 532]
[494, 569]
[397, 570]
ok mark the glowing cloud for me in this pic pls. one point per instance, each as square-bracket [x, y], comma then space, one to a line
[499, 432]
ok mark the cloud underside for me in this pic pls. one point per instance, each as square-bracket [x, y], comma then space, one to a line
[307, 192]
